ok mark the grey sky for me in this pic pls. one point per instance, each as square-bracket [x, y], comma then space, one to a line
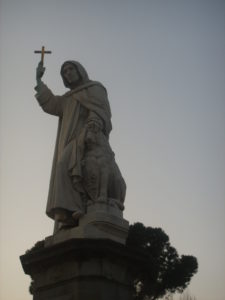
[163, 64]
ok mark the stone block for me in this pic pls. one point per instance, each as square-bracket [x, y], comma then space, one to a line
[82, 269]
[96, 224]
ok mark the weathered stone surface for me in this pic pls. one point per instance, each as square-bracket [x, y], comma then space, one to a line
[83, 269]
[86, 257]
[96, 224]
[84, 171]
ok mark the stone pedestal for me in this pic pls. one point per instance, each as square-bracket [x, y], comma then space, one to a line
[100, 222]
[82, 269]
[93, 225]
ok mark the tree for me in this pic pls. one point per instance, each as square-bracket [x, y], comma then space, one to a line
[165, 271]
[186, 296]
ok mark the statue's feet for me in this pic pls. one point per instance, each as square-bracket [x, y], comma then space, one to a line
[65, 219]
[67, 226]
[60, 216]
[77, 214]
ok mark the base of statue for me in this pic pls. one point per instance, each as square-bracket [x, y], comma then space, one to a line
[82, 269]
[100, 221]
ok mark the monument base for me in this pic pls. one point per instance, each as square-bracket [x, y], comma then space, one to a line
[93, 225]
[100, 221]
[82, 269]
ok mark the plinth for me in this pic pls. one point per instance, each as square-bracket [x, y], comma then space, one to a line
[87, 262]
[82, 269]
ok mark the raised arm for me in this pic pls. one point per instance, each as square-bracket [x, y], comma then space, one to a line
[50, 103]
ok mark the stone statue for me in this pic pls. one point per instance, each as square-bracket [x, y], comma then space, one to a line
[84, 171]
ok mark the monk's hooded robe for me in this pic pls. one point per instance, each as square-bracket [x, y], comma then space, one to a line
[87, 101]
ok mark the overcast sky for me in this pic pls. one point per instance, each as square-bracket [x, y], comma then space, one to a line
[163, 64]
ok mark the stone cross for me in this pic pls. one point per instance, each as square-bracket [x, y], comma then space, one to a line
[43, 52]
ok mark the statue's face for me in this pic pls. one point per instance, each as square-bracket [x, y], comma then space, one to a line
[69, 72]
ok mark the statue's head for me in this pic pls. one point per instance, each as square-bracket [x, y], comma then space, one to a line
[73, 74]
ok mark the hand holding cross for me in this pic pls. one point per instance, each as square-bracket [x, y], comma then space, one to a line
[40, 69]
[43, 52]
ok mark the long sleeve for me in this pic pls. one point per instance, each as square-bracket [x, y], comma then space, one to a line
[50, 103]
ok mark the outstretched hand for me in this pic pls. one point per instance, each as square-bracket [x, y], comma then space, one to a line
[40, 71]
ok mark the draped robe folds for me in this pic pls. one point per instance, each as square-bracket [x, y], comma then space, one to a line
[74, 109]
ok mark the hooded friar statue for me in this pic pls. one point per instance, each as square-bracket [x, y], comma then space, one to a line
[84, 170]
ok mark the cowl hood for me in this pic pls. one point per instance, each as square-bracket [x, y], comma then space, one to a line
[80, 70]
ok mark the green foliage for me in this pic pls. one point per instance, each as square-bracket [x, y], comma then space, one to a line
[166, 271]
